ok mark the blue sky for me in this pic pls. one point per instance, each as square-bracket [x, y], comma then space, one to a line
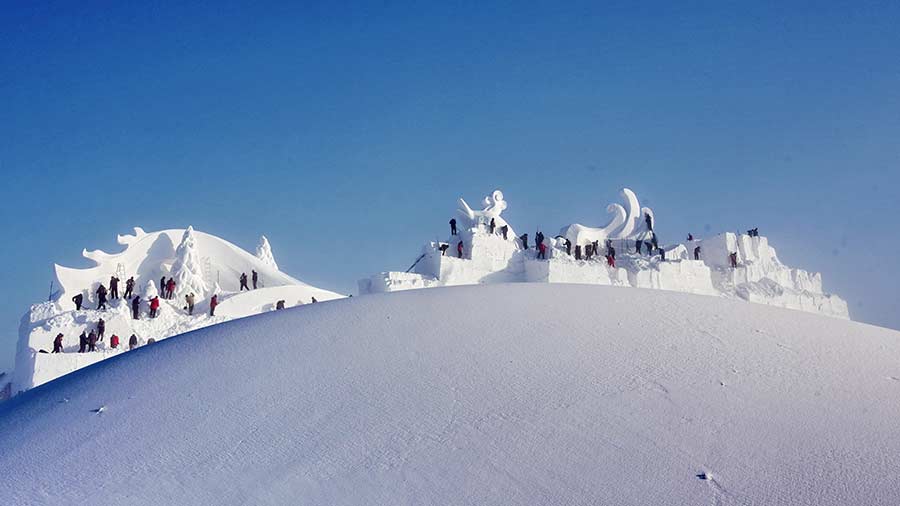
[345, 132]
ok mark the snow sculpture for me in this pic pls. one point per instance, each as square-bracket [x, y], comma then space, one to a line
[633, 220]
[264, 253]
[150, 290]
[628, 222]
[188, 269]
[493, 206]
[581, 235]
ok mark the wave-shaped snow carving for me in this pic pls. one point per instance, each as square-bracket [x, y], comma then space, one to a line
[628, 222]
[582, 235]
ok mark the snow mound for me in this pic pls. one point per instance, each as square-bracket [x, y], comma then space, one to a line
[500, 394]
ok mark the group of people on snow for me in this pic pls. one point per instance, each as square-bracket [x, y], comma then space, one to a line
[243, 279]
[87, 341]
[588, 251]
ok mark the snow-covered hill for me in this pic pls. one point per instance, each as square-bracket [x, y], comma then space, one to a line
[200, 263]
[499, 394]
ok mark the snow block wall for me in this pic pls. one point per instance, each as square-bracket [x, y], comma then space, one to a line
[487, 258]
[202, 264]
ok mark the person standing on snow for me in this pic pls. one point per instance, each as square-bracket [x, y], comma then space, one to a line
[114, 341]
[213, 302]
[132, 342]
[493, 225]
[101, 328]
[92, 342]
[459, 249]
[697, 253]
[649, 221]
[732, 257]
[254, 277]
[101, 297]
[190, 303]
[243, 280]
[452, 226]
[170, 289]
[113, 287]
[78, 299]
[162, 286]
[524, 239]
[82, 342]
[136, 307]
[504, 230]
[542, 251]
[57, 344]
[154, 306]
[129, 288]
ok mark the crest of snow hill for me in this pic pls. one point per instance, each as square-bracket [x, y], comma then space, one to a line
[482, 248]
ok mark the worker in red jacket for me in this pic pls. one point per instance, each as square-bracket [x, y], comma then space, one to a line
[154, 306]
[213, 302]
[114, 341]
[459, 249]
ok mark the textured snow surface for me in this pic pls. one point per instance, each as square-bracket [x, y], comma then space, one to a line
[495, 394]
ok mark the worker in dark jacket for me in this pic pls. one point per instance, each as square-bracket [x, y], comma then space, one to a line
[101, 329]
[92, 341]
[452, 226]
[78, 299]
[82, 342]
[213, 302]
[113, 287]
[243, 280]
[132, 342]
[255, 278]
[101, 297]
[129, 288]
[136, 307]
[57, 344]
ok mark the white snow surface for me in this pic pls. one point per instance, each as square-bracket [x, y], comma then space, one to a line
[498, 394]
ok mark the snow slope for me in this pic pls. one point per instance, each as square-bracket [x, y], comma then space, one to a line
[494, 394]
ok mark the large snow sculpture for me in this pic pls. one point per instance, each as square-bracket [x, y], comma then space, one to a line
[628, 222]
[493, 206]
[264, 253]
[188, 269]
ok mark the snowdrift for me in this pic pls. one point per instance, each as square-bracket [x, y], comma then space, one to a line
[498, 394]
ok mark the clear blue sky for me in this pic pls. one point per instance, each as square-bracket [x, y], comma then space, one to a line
[306, 122]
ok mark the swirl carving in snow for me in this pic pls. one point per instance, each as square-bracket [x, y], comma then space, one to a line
[628, 222]
[581, 235]
[493, 206]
